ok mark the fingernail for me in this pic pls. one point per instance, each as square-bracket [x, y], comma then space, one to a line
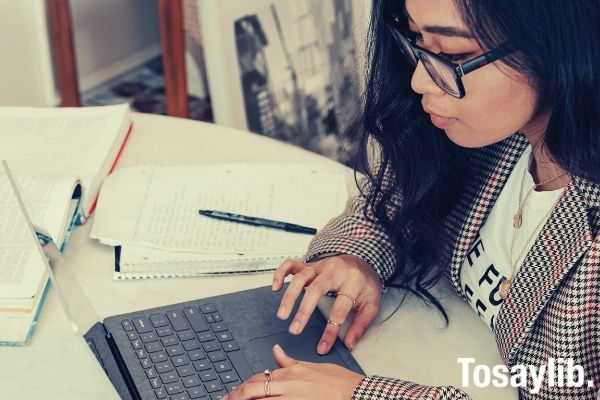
[295, 328]
[281, 313]
[351, 346]
[278, 348]
[274, 286]
[322, 347]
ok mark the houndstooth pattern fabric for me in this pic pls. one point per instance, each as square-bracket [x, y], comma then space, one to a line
[553, 308]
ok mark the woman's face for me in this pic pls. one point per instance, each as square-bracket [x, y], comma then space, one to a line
[498, 100]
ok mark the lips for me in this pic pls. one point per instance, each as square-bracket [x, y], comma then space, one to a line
[439, 120]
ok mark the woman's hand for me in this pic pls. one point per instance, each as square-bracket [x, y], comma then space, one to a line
[356, 282]
[299, 380]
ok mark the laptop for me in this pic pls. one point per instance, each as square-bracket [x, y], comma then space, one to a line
[205, 348]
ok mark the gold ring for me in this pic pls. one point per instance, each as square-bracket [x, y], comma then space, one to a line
[330, 322]
[352, 299]
[267, 382]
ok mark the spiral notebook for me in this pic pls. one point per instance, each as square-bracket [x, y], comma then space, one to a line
[150, 214]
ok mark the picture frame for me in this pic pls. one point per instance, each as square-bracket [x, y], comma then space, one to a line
[287, 69]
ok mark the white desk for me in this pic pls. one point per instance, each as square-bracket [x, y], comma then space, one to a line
[58, 363]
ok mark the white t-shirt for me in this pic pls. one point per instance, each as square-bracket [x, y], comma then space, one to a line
[488, 261]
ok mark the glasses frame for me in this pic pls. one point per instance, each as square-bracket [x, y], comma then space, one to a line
[393, 23]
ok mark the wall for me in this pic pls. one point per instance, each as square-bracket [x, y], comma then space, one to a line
[25, 71]
[111, 37]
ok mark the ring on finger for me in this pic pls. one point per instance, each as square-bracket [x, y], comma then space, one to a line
[352, 299]
[268, 376]
[336, 324]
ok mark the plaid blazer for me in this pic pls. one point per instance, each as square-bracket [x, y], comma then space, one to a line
[553, 308]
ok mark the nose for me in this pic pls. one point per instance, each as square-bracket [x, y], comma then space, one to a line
[422, 83]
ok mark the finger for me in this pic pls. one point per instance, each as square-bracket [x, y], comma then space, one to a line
[362, 320]
[281, 358]
[339, 312]
[251, 390]
[286, 268]
[313, 293]
[301, 279]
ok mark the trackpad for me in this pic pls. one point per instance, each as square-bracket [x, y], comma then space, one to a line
[302, 348]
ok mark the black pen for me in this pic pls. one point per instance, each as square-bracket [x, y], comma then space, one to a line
[269, 223]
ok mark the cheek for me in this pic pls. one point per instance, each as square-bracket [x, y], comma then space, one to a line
[496, 106]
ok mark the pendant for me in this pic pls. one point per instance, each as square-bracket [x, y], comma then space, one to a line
[518, 220]
[504, 288]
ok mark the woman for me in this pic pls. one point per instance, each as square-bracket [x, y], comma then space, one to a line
[487, 114]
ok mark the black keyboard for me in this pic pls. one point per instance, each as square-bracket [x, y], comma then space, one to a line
[186, 353]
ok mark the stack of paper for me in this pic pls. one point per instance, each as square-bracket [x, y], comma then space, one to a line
[151, 215]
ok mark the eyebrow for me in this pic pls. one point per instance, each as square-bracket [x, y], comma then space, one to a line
[448, 31]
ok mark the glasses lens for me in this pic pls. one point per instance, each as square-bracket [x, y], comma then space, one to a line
[441, 73]
[404, 45]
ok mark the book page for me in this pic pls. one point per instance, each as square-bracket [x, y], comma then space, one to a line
[63, 141]
[22, 266]
[48, 202]
[158, 207]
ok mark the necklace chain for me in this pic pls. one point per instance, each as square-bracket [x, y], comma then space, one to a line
[517, 223]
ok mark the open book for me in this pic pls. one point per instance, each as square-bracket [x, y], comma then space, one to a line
[59, 157]
[24, 272]
[151, 215]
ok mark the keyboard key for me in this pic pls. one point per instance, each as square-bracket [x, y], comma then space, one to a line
[132, 335]
[159, 357]
[216, 356]
[220, 327]
[170, 340]
[174, 388]
[127, 325]
[186, 335]
[146, 363]
[165, 331]
[142, 324]
[218, 395]
[149, 337]
[232, 386]
[206, 337]
[217, 317]
[196, 355]
[213, 386]
[155, 383]
[210, 319]
[191, 381]
[224, 336]
[180, 396]
[163, 367]
[230, 346]
[196, 319]
[169, 377]
[208, 308]
[186, 370]
[229, 377]
[175, 350]
[158, 320]
[222, 366]
[137, 344]
[153, 347]
[197, 392]
[160, 393]
[141, 353]
[151, 373]
[211, 346]
[191, 345]
[208, 376]
[202, 365]
[177, 320]
[180, 360]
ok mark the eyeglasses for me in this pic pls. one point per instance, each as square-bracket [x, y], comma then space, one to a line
[444, 72]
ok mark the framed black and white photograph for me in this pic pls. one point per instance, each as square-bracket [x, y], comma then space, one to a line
[287, 69]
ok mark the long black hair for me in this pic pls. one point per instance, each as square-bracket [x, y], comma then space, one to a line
[555, 45]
